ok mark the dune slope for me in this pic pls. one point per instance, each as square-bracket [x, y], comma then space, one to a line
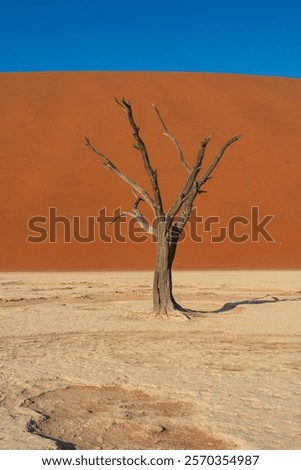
[44, 164]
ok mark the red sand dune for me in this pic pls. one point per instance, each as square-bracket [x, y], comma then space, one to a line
[44, 163]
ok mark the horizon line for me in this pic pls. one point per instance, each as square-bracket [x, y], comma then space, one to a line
[255, 74]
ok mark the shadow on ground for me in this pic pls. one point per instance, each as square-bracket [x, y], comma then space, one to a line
[228, 306]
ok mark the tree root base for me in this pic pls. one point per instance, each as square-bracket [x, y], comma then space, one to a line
[172, 313]
[177, 313]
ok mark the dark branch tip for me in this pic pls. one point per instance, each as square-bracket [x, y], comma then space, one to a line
[126, 103]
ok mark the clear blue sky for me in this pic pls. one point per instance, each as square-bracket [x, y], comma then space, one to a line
[253, 37]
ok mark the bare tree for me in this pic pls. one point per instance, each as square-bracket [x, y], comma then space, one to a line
[169, 224]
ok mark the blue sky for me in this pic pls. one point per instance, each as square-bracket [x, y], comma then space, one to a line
[250, 37]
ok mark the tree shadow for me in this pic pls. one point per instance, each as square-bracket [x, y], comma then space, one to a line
[228, 306]
[33, 427]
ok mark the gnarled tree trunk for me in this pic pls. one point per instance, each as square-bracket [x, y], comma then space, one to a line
[164, 303]
[162, 288]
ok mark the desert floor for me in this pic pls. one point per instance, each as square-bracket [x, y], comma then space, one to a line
[85, 365]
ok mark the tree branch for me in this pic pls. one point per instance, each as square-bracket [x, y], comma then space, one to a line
[187, 202]
[126, 106]
[215, 162]
[107, 163]
[192, 189]
[172, 138]
[190, 180]
[184, 216]
[137, 214]
[141, 219]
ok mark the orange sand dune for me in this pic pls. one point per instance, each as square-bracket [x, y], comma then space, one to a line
[44, 163]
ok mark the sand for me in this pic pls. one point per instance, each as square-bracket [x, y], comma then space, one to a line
[85, 365]
[44, 163]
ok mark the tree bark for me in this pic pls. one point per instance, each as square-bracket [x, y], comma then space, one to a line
[164, 303]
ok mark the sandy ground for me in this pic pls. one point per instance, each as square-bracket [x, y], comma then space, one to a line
[85, 365]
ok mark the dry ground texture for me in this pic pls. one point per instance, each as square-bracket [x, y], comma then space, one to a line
[84, 365]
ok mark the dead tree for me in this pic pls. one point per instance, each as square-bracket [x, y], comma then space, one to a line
[169, 224]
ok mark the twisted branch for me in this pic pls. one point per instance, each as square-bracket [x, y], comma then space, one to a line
[126, 106]
[190, 180]
[213, 165]
[107, 163]
[137, 214]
